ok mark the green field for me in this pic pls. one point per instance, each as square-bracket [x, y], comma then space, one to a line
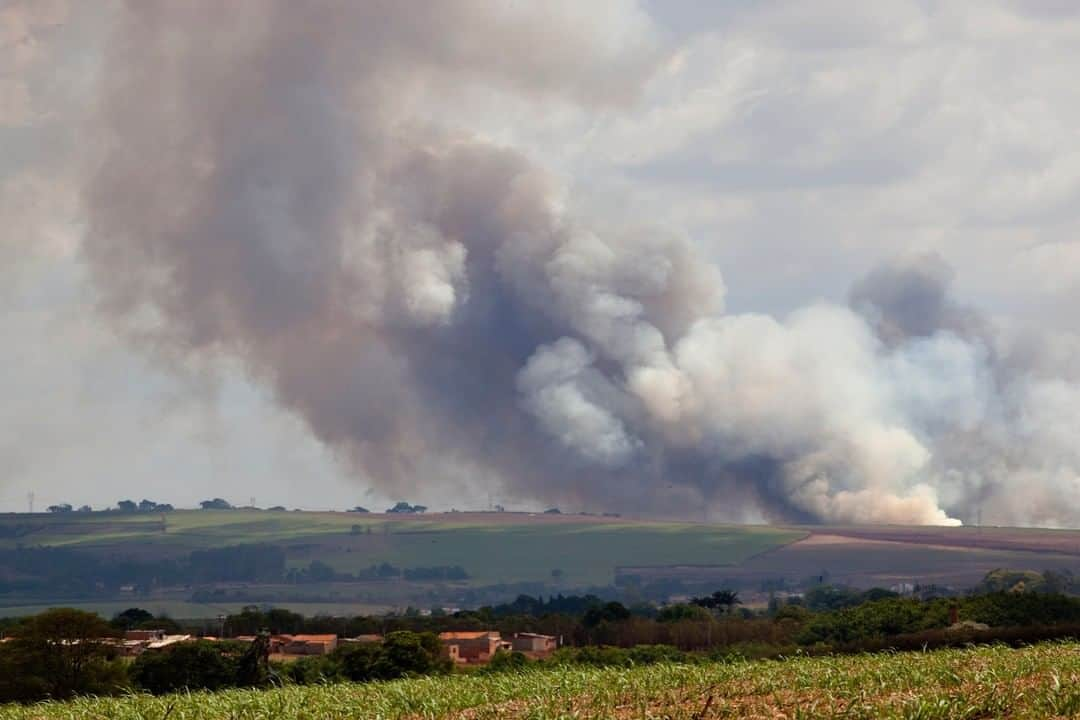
[494, 548]
[193, 611]
[991, 682]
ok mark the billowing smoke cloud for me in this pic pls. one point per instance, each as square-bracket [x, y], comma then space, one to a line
[272, 186]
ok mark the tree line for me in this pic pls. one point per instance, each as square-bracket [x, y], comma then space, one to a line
[64, 652]
[74, 574]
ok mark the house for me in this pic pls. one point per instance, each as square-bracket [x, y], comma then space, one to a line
[472, 647]
[135, 642]
[144, 635]
[361, 640]
[533, 644]
[310, 645]
[167, 641]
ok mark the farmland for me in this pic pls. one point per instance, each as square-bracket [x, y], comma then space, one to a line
[1042, 681]
[504, 554]
[496, 547]
[556, 552]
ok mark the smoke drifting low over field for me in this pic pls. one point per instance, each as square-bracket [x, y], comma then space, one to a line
[274, 187]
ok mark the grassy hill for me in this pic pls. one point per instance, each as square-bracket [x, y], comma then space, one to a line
[503, 551]
[493, 548]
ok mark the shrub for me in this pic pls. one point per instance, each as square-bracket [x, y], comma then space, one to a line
[652, 654]
[595, 655]
[58, 654]
[313, 670]
[401, 654]
[675, 613]
[504, 661]
[188, 666]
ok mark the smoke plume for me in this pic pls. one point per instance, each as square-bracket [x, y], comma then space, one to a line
[273, 185]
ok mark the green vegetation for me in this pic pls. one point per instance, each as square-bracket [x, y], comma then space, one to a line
[62, 653]
[1031, 683]
[100, 556]
[59, 654]
[1003, 580]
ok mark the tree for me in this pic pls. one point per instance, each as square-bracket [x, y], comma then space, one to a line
[253, 667]
[405, 508]
[127, 506]
[359, 509]
[676, 613]
[609, 612]
[726, 599]
[85, 509]
[59, 653]
[130, 618]
[215, 504]
[186, 666]
[406, 653]
[401, 654]
[61, 508]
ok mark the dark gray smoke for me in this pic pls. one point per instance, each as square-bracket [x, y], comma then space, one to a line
[911, 298]
[273, 186]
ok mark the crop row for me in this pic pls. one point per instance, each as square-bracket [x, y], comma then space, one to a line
[1035, 682]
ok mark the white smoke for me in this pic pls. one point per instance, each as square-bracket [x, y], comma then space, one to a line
[270, 189]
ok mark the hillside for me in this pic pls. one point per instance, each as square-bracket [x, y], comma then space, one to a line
[553, 552]
[350, 563]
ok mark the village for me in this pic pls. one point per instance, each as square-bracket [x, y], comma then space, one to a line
[462, 648]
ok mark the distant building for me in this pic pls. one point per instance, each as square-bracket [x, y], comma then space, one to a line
[534, 644]
[144, 635]
[168, 641]
[310, 645]
[135, 642]
[361, 640]
[472, 647]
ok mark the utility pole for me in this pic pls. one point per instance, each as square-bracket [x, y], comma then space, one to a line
[30, 501]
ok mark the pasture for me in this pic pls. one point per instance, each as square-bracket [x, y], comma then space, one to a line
[550, 553]
[560, 551]
[1031, 683]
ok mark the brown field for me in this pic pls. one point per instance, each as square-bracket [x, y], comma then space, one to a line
[886, 556]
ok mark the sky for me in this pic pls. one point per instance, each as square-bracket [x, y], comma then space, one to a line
[806, 164]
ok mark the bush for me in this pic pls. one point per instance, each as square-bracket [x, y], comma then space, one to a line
[188, 666]
[652, 654]
[868, 621]
[595, 655]
[675, 613]
[504, 661]
[1014, 609]
[401, 654]
[313, 670]
[607, 656]
[59, 654]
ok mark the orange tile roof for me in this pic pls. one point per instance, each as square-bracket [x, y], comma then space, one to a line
[475, 635]
[314, 638]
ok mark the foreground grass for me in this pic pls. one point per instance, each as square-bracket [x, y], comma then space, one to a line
[990, 682]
